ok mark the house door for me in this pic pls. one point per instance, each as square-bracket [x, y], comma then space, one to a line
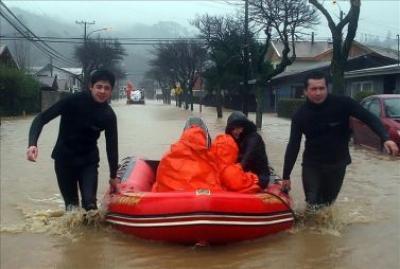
[389, 84]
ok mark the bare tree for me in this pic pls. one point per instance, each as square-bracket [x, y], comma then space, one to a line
[179, 61]
[341, 48]
[284, 20]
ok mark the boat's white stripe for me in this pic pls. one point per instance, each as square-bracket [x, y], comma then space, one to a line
[200, 222]
[127, 217]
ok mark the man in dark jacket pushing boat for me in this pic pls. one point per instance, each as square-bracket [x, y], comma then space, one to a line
[324, 120]
[76, 157]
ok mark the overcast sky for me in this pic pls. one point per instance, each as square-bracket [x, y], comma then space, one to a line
[378, 17]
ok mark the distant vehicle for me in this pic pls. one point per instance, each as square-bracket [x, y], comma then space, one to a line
[387, 108]
[137, 97]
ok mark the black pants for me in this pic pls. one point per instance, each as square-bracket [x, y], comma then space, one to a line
[322, 183]
[69, 176]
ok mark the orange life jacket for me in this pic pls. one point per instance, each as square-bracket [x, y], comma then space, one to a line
[232, 176]
[190, 165]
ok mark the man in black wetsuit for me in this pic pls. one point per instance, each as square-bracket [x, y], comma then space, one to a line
[324, 120]
[76, 157]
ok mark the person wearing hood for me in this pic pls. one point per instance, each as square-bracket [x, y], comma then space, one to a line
[324, 121]
[252, 153]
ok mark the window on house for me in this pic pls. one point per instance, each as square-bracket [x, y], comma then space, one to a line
[361, 86]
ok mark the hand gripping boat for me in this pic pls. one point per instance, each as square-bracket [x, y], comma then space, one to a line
[193, 217]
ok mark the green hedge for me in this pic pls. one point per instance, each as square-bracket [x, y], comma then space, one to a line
[361, 95]
[19, 92]
[287, 106]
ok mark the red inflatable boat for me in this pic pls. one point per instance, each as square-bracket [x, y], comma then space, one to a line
[200, 217]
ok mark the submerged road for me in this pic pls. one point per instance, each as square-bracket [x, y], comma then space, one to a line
[361, 231]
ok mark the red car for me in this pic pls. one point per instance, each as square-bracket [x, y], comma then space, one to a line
[387, 108]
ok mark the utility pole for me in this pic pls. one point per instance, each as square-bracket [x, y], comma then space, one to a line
[398, 49]
[245, 108]
[85, 37]
[85, 24]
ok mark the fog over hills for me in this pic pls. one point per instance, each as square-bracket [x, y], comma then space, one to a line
[136, 61]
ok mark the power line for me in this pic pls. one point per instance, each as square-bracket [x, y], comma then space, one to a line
[28, 34]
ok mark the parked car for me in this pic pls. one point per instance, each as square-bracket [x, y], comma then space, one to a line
[387, 108]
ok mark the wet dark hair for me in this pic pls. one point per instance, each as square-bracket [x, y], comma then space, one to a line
[315, 75]
[103, 74]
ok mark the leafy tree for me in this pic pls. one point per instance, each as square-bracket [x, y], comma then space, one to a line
[341, 47]
[19, 92]
[224, 39]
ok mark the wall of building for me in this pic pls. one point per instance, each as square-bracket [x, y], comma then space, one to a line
[48, 98]
[376, 84]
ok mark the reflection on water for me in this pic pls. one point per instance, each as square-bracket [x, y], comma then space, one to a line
[361, 227]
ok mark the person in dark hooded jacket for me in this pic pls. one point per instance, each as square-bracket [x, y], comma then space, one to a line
[252, 154]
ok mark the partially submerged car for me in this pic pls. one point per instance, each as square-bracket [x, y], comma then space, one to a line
[387, 108]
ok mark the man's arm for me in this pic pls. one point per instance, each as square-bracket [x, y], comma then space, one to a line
[37, 125]
[359, 112]
[111, 134]
[292, 149]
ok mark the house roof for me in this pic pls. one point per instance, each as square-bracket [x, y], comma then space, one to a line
[4, 50]
[355, 63]
[76, 71]
[305, 49]
[297, 71]
[390, 53]
[310, 50]
[374, 71]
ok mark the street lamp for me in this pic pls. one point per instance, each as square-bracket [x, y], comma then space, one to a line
[98, 30]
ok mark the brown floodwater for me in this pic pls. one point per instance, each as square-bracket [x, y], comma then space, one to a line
[362, 230]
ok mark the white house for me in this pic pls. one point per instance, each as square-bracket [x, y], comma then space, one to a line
[59, 78]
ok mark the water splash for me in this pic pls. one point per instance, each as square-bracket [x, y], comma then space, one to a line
[333, 220]
[70, 224]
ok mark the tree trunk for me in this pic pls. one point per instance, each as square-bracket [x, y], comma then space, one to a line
[338, 85]
[186, 99]
[337, 65]
[259, 109]
[191, 99]
[219, 103]
[245, 102]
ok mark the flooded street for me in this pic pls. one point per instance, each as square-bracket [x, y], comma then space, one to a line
[361, 231]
